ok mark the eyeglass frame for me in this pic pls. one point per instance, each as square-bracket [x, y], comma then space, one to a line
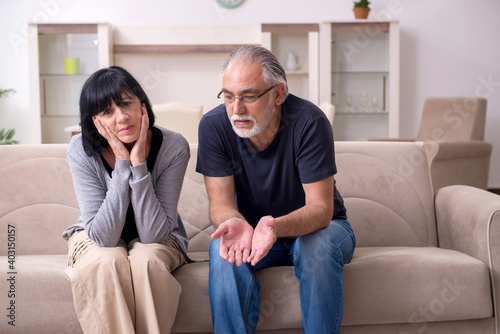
[242, 98]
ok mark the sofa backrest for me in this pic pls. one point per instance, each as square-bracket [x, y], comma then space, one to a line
[193, 207]
[452, 119]
[388, 193]
[386, 187]
[37, 198]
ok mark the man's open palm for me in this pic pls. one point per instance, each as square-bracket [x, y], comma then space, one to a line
[263, 239]
[236, 240]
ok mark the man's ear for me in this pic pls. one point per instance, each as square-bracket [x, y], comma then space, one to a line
[279, 92]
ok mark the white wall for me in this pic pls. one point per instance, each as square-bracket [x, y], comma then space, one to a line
[448, 48]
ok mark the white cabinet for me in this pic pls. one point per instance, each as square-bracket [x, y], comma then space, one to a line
[54, 94]
[297, 48]
[359, 62]
[352, 64]
[180, 63]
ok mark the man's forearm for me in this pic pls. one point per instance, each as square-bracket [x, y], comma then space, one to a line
[305, 220]
[220, 214]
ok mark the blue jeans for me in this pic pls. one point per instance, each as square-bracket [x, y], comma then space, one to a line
[318, 259]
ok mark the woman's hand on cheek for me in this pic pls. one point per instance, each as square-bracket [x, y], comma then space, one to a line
[138, 152]
[119, 150]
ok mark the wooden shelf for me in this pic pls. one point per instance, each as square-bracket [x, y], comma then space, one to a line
[360, 26]
[151, 49]
[70, 28]
[290, 28]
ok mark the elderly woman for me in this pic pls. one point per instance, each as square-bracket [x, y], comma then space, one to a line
[128, 176]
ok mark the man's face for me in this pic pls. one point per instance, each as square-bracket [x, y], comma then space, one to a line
[249, 118]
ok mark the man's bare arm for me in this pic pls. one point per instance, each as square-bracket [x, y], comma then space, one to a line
[232, 228]
[222, 199]
[316, 214]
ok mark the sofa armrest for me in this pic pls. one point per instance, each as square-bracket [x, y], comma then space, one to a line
[468, 221]
[447, 150]
[388, 139]
[463, 162]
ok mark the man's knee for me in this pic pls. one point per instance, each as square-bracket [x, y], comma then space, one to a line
[334, 243]
[214, 257]
[214, 247]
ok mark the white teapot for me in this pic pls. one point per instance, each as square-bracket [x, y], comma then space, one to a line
[292, 61]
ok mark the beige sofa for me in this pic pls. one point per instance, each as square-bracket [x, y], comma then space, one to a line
[423, 264]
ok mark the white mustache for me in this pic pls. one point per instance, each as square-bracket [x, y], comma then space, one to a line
[235, 118]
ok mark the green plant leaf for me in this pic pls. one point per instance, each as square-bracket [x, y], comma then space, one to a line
[6, 92]
[10, 133]
[361, 4]
[6, 137]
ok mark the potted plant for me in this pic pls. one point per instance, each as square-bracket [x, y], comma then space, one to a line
[361, 9]
[7, 134]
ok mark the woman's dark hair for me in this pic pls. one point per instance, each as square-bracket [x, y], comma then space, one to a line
[101, 89]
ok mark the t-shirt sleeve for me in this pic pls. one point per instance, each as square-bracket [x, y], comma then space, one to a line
[315, 157]
[213, 158]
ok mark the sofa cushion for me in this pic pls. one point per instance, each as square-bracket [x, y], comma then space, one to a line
[280, 306]
[43, 298]
[383, 285]
[414, 284]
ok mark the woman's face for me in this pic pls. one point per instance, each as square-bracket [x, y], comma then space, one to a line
[124, 120]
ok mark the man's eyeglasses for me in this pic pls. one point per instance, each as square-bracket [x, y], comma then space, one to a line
[247, 99]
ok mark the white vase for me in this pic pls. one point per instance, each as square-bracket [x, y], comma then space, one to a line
[292, 61]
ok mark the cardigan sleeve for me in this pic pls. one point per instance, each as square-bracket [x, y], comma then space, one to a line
[103, 208]
[155, 199]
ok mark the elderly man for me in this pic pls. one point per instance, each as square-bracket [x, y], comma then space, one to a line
[269, 163]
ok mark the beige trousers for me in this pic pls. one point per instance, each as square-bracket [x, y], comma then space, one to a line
[124, 289]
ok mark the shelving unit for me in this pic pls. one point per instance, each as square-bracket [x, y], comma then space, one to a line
[359, 63]
[352, 64]
[180, 63]
[299, 41]
[54, 95]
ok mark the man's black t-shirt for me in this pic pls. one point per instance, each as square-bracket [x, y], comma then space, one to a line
[269, 182]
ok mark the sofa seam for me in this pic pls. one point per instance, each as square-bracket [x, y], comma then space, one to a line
[492, 278]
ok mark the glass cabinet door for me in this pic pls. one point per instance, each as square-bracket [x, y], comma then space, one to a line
[361, 68]
[296, 47]
[67, 55]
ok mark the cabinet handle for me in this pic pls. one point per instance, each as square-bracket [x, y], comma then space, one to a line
[44, 98]
[383, 92]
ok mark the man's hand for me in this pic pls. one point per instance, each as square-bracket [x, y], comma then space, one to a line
[263, 239]
[236, 240]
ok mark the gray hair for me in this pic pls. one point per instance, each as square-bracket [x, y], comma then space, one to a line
[272, 71]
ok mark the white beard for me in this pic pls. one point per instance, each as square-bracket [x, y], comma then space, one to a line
[244, 133]
[268, 115]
